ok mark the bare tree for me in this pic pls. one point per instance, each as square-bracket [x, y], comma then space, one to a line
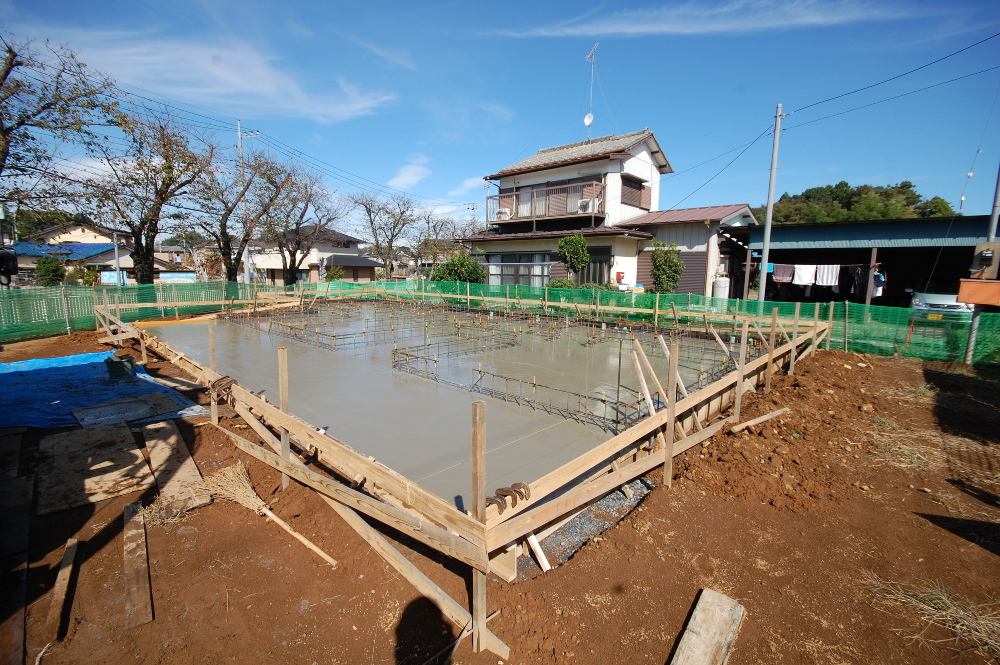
[221, 195]
[432, 236]
[147, 183]
[385, 221]
[303, 215]
[46, 96]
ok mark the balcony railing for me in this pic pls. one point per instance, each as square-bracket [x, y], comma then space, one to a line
[581, 200]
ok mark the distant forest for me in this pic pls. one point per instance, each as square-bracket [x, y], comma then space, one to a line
[841, 202]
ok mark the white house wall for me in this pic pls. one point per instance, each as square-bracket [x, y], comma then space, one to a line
[595, 168]
[642, 166]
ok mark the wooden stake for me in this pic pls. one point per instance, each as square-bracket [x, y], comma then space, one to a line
[57, 604]
[829, 332]
[656, 311]
[211, 345]
[142, 345]
[536, 549]
[668, 463]
[795, 339]
[286, 448]
[677, 321]
[847, 320]
[479, 513]
[739, 377]
[770, 350]
[756, 421]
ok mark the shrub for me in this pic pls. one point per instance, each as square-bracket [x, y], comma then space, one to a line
[594, 286]
[573, 253]
[459, 268]
[84, 275]
[333, 273]
[561, 283]
[667, 267]
[50, 271]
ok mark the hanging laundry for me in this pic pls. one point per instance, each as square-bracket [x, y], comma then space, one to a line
[859, 281]
[804, 274]
[783, 272]
[828, 275]
[878, 281]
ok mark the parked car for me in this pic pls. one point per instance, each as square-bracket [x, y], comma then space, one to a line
[938, 306]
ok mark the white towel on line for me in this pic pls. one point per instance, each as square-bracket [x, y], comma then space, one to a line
[804, 274]
[828, 275]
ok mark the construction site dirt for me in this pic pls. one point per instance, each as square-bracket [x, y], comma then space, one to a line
[883, 471]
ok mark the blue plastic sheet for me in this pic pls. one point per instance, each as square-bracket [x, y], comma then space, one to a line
[43, 392]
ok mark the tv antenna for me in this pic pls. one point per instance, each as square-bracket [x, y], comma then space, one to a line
[588, 120]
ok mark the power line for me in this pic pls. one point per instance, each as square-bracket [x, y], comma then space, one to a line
[893, 78]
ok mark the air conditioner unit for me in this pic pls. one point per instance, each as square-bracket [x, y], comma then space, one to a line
[586, 206]
[503, 214]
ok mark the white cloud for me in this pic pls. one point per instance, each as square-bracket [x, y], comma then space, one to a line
[693, 18]
[398, 57]
[468, 185]
[410, 174]
[230, 75]
[498, 111]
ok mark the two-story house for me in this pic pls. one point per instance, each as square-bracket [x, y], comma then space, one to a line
[606, 189]
[329, 249]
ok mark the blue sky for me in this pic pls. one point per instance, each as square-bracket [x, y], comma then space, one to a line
[430, 97]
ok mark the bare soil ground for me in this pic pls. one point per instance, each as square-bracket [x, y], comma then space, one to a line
[884, 466]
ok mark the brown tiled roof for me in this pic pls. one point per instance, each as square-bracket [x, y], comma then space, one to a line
[688, 215]
[584, 151]
[488, 236]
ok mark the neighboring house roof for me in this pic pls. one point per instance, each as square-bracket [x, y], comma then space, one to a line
[488, 236]
[721, 214]
[328, 235]
[65, 227]
[69, 251]
[586, 151]
[352, 261]
[864, 234]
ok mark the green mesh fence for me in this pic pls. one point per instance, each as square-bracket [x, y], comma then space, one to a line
[28, 313]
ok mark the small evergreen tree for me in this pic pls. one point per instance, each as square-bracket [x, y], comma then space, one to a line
[49, 270]
[333, 273]
[459, 268]
[667, 267]
[573, 254]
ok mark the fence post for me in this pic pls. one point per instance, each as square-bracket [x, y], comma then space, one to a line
[847, 319]
[795, 339]
[829, 332]
[656, 312]
[770, 349]
[65, 308]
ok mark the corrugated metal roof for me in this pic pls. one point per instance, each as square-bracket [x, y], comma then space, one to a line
[933, 232]
[689, 215]
[581, 152]
[70, 251]
[488, 236]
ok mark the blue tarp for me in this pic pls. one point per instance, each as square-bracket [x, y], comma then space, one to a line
[43, 392]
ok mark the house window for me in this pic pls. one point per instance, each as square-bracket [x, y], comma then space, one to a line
[598, 271]
[523, 269]
[355, 274]
[634, 193]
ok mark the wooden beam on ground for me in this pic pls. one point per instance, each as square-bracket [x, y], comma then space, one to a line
[711, 632]
[176, 474]
[756, 421]
[58, 596]
[138, 596]
[405, 523]
[448, 606]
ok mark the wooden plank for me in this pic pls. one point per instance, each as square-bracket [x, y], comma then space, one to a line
[57, 602]
[536, 549]
[349, 463]
[756, 421]
[672, 374]
[13, 589]
[400, 520]
[89, 465]
[542, 514]
[180, 482]
[738, 404]
[795, 337]
[138, 596]
[710, 633]
[448, 606]
[770, 349]
[503, 563]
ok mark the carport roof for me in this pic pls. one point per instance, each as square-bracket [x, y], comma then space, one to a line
[932, 232]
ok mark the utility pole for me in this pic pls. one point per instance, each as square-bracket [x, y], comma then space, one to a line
[991, 236]
[118, 270]
[240, 135]
[764, 258]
